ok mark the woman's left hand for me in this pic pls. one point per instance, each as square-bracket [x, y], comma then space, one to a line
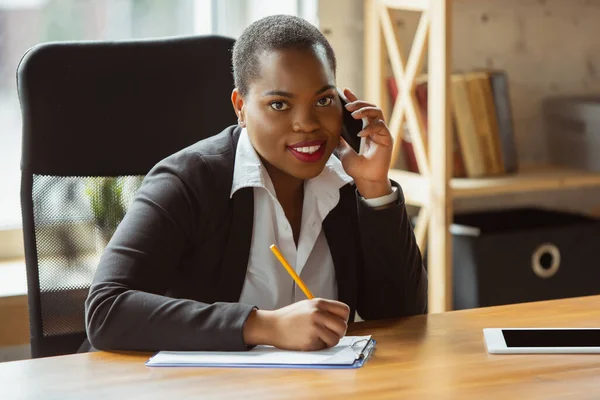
[369, 169]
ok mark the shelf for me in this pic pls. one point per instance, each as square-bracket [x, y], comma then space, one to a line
[436, 192]
[530, 178]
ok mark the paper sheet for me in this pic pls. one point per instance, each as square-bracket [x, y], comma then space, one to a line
[344, 353]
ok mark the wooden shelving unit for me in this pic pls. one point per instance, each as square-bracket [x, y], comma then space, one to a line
[434, 189]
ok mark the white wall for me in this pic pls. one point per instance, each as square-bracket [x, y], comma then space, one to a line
[342, 23]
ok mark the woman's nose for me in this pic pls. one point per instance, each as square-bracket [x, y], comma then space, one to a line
[306, 121]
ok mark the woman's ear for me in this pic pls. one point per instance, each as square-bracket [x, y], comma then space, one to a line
[238, 106]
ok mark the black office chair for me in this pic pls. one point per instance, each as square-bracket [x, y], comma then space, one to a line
[97, 116]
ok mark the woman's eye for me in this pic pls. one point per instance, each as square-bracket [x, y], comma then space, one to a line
[279, 105]
[325, 101]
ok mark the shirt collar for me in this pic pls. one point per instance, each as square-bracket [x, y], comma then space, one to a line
[248, 171]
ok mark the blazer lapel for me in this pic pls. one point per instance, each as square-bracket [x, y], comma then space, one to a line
[240, 218]
[339, 226]
[235, 260]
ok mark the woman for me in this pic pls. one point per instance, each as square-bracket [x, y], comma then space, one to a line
[190, 268]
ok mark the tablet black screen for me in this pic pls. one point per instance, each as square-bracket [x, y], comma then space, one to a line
[552, 337]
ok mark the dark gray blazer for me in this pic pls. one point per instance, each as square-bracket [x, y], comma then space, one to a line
[173, 272]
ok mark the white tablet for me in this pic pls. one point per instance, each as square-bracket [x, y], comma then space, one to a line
[542, 340]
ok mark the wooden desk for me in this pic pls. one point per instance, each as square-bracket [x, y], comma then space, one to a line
[431, 356]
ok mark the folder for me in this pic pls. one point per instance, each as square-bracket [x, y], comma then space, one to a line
[350, 352]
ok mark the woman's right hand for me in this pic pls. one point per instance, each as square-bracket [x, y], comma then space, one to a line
[306, 325]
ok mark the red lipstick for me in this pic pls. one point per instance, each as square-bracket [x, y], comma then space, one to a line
[308, 150]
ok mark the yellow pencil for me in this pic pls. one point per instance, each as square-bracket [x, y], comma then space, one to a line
[290, 271]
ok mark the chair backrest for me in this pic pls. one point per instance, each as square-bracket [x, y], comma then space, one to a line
[97, 116]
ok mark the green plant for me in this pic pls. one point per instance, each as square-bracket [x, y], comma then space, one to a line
[109, 199]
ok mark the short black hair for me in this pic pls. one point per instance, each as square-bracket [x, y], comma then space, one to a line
[274, 32]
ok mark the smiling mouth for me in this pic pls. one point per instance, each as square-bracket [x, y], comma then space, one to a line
[309, 151]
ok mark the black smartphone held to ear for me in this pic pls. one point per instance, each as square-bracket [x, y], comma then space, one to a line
[351, 126]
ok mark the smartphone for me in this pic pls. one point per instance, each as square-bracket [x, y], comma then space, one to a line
[542, 340]
[351, 126]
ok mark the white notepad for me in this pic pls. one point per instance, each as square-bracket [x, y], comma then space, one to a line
[350, 352]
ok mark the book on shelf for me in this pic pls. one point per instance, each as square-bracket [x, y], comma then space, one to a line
[482, 123]
[486, 128]
[499, 82]
[465, 125]
[421, 94]
[489, 110]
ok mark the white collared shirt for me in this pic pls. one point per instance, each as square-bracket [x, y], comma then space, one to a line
[267, 284]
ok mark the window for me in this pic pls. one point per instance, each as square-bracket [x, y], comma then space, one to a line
[25, 23]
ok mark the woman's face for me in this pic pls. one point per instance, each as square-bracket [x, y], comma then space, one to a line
[292, 112]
